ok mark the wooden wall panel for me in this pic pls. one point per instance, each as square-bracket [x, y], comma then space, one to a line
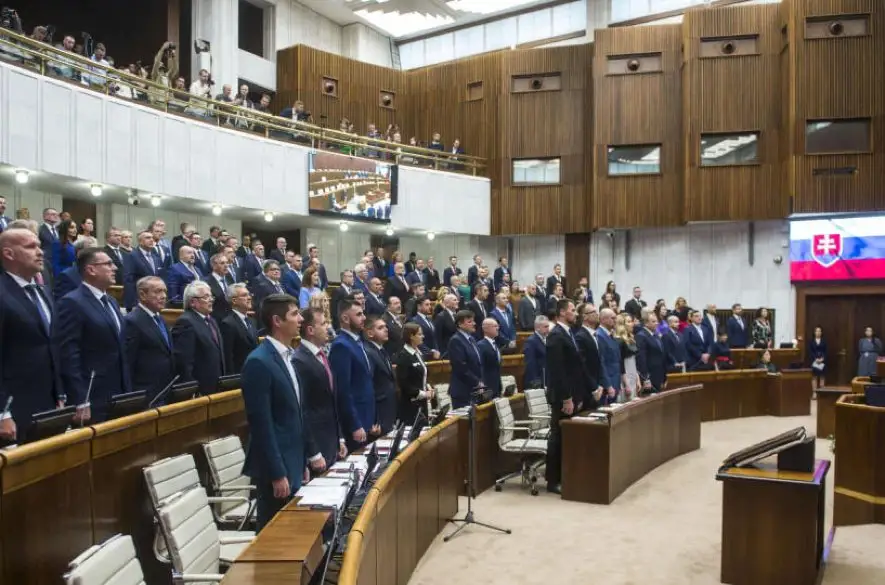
[837, 78]
[641, 108]
[538, 125]
[738, 93]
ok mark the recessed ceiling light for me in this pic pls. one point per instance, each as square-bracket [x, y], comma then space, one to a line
[95, 189]
[431, 236]
[216, 209]
[268, 216]
[21, 176]
[389, 231]
[156, 200]
[343, 226]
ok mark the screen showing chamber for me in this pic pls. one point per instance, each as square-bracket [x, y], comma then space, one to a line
[351, 187]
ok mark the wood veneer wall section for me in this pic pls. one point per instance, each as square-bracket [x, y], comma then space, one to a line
[632, 109]
[543, 124]
[733, 94]
[837, 78]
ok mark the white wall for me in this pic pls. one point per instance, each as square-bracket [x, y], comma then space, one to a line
[365, 44]
[298, 25]
[338, 250]
[23, 196]
[442, 202]
[533, 254]
[705, 263]
[464, 247]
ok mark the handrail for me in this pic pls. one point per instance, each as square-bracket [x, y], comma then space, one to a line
[46, 59]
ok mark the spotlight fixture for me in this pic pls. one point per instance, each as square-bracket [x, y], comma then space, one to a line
[431, 236]
[216, 209]
[268, 216]
[21, 176]
[95, 189]
[156, 200]
[131, 197]
[389, 232]
[343, 226]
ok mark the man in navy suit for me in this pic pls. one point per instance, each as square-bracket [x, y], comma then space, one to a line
[253, 263]
[465, 360]
[651, 359]
[89, 334]
[142, 261]
[182, 273]
[674, 350]
[267, 284]
[430, 348]
[383, 378]
[202, 260]
[609, 355]
[280, 448]
[149, 341]
[417, 275]
[30, 366]
[490, 357]
[697, 343]
[353, 376]
[473, 271]
[737, 329]
[197, 342]
[375, 304]
[503, 314]
[588, 345]
[239, 335]
[500, 271]
[534, 352]
[450, 271]
[163, 247]
[291, 279]
[444, 324]
[4, 221]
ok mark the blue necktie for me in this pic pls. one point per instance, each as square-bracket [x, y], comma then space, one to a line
[32, 290]
[110, 309]
[159, 321]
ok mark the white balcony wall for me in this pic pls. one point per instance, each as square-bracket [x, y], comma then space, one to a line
[442, 202]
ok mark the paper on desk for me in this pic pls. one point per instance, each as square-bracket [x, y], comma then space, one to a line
[322, 496]
[386, 444]
[329, 482]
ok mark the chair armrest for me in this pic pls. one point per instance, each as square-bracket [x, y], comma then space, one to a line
[227, 499]
[524, 429]
[235, 539]
[237, 488]
[540, 416]
[196, 577]
[523, 423]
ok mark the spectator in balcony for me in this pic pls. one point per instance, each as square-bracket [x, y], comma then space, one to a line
[201, 89]
[39, 34]
[63, 67]
[226, 94]
[165, 67]
[298, 113]
[99, 73]
[436, 143]
[264, 104]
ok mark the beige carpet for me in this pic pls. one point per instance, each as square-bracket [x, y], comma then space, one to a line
[665, 529]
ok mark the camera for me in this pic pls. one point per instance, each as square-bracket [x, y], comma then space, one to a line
[9, 19]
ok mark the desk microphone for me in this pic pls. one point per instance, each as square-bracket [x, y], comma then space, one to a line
[7, 408]
[164, 391]
[85, 403]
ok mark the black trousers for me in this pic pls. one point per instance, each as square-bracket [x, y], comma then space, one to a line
[553, 471]
[266, 504]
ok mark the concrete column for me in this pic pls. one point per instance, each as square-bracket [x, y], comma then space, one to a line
[598, 15]
[217, 21]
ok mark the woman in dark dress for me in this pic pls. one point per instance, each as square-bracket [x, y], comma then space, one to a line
[817, 355]
[870, 348]
[611, 288]
[765, 363]
[63, 254]
[411, 376]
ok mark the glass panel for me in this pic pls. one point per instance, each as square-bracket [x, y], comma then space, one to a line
[729, 149]
[533, 171]
[837, 136]
[634, 160]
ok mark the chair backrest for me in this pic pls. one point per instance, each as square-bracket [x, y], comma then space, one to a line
[443, 398]
[191, 533]
[111, 563]
[226, 457]
[507, 381]
[170, 476]
[536, 402]
[505, 419]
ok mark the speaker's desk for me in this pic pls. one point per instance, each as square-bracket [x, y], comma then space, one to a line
[772, 525]
[859, 486]
[826, 410]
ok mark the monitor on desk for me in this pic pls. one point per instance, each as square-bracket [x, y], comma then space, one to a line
[766, 448]
[441, 415]
[182, 392]
[231, 382]
[874, 395]
[125, 404]
[415, 431]
[50, 423]
[397, 439]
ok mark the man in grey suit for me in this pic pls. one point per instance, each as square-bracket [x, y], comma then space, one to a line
[528, 308]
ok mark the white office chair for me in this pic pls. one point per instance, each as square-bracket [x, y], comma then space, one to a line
[443, 398]
[508, 382]
[539, 411]
[226, 457]
[174, 475]
[111, 563]
[532, 451]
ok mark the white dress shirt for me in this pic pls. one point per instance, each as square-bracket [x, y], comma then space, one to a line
[423, 392]
[98, 296]
[24, 283]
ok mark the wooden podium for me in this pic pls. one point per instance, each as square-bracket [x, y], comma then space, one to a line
[859, 486]
[772, 525]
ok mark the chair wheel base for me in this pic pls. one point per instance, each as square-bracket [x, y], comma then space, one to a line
[498, 487]
[534, 491]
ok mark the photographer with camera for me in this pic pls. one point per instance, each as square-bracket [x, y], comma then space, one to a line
[164, 70]
[201, 89]
[10, 20]
[242, 100]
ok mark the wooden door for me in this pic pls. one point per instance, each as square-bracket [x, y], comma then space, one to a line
[835, 315]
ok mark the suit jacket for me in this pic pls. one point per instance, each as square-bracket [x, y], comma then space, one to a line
[177, 278]
[136, 268]
[445, 326]
[280, 256]
[384, 382]
[30, 366]
[737, 336]
[291, 283]
[68, 280]
[610, 356]
[651, 361]
[379, 267]
[479, 313]
[4, 222]
[410, 375]
[374, 306]
[90, 340]
[202, 262]
[695, 345]
[634, 307]
[148, 354]
[319, 405]
[500, 271]
[552, 281]
[118, 257]
[340, 294]
[527, 311]
[409, 266]
[197, 354]
[179, 241]
[394, 334]
[395, 288]
[252, 267]
[710, 331]
[490, 357]
[220, 306]
[279, 441]
[431, 278]
[674, 350]
[472, 275]
[588, 346]
[353, 379]
[430, 342]
[448, 273]
[238, 340]
[414, 277]
[534, 352]
[566, 376]
[262, 287]
[466, 369]
[506, 326]
[46, 242]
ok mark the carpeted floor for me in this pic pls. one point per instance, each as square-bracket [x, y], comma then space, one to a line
[665, 529]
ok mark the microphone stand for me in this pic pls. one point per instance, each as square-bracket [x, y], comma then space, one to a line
[163, 392]
[469, 518]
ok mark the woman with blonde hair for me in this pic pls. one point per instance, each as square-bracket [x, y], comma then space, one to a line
[630, 383]
[395, 257]
[322, 302]
[438, 303]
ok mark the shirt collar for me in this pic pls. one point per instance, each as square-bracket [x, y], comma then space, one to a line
[352, 335]
[20, 281]
[150, 313]
[411, 350]
[490, 340]
[313, 349]
[95, 292]
[283, 350]
[590, 329]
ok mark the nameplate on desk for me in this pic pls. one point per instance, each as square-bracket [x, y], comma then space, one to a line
[592, 417]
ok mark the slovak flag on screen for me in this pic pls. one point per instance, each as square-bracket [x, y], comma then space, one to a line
[837, 249]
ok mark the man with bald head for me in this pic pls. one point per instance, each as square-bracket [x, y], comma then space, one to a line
[609, 355]
[30, 367]
[182, 273]
[375, 305]
[490, 357]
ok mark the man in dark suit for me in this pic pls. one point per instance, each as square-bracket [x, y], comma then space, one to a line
[634, 306]
[588, 345]
[238, 332]
[568, 387]
[431, 275]
[213, 243]
[490, 357]
[697, 342]
[674, 350]
[444, 323]
[253, 263]
[353, 377]
[149, 341]
[534, 352]
[710, 324]
[219, 281]
[396, 285]
[268, 283]
[393, 319]
[541, 293]
[141, 262]
[375, 305]
[529, 308]
[500, 271]
[201, 258]
[417, 293]
[318, 388]
[183, 238]
[450, 271]
[280, 445]
[383, 379]
[473, 271]
[412, 263]
[279, 253]
[30, 365]
[503, 315]
[478, 306]
[737, 328]
[343, 291]
[430, 347]
[181, 274]
[609, 355]
[465, 360]
[113, 250]
[650, 360]
[4, 221]
[554, 279]
[379, 264]
[313, 252]
[48, 234]
[89, 334]
[291, 279]
[234, 262]
[418, 275]
[196, 339]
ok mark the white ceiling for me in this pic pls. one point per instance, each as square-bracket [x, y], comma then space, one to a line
[403, 18]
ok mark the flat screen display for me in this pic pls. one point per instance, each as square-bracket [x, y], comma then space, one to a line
[350, 187]
[850, 248]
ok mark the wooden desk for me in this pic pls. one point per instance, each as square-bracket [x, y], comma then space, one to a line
[745, 359]
[789, 393]
[859, 489]
[600, 460]
[772, 525]
[826, 410]
[490, 463]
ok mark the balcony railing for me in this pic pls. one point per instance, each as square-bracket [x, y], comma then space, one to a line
[73, 68]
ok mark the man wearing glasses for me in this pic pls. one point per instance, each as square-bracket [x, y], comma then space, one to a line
[89, 334]
[196, 339]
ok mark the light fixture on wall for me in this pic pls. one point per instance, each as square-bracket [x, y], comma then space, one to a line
[268, 216]
[343, 226]
[216, 209]
[131, 197]
[431, 236]
[156, 200]
[21, 176]
[95, 189]
[389, 231]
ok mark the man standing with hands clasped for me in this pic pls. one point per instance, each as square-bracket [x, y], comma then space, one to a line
[568, 386]
[280, 443]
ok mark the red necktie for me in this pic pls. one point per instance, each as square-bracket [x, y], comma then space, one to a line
[325, 361]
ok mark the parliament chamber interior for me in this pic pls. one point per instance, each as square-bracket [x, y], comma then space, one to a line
[389, 292]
